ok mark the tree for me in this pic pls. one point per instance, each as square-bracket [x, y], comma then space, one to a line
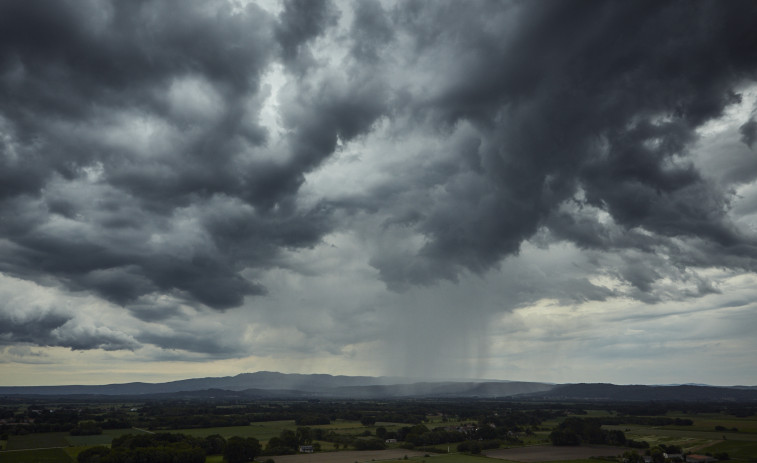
[239, 450]
[214, 444]
[304, 436]
[368, 420]
[86, 428]
[93, 454]
[289, 438]
[560, 437]
[274, 443]
[632, 456]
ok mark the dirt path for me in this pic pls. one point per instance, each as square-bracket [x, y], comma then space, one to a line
[705, 445]
[143, 430]
[350, 456]
[30, 450]
[539, 453]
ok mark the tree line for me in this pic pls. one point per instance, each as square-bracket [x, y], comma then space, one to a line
[172, 448]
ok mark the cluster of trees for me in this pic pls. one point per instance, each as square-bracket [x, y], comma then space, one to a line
[492, 421]
[171, 448]
[420, 435]
[194, 414]
[181, 414]
[577, 431]
[75, 420]
[289, 441]
[311, 420]
[86, 428]
[724, 429]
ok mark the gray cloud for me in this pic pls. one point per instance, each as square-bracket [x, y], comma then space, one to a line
[169, 157]
[749, 132]
[560, 109]
[34, 329]
[106, 91]
[55, 327]
[300, 22]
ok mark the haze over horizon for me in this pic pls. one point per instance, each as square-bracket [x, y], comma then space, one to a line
[555, 191]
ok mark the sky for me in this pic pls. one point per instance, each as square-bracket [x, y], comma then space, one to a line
[560, 191]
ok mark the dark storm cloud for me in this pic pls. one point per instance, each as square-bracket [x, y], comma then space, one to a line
[599, 97]
[211, 344]
[138, 160]
[34, 329]
[72, 71]
[749, 132]
[51, 328]
[371, 30]
[300, 22]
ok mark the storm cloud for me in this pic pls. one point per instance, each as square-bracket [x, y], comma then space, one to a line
[271, 164]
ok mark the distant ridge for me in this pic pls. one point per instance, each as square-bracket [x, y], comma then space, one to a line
[266, 380]
[272, 385]
[612, 392]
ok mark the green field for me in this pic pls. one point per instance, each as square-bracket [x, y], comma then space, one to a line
[100, 439]
[701, 437]
[38, 441]
[737, 450]
[35, 456]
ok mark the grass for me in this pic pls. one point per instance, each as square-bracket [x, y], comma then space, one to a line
[36, 456]
[100, 439]
[684, 434]
[708, 424]
[737, 450]
[74, 452]
[701, 437]
[38, 441]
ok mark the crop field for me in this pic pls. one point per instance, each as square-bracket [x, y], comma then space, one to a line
[653, 434]
[701, 437]
[708, 423]
[542, 453]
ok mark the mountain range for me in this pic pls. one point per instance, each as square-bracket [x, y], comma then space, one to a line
[272, 385]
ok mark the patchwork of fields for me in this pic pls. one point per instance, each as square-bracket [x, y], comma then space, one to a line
[739, 441]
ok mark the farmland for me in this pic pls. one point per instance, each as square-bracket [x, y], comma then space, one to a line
[484, 430]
